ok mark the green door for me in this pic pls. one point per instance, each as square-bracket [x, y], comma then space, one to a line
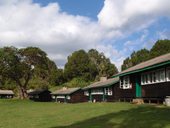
[90, 96]
[138, 88]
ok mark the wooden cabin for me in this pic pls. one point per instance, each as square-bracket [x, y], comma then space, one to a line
[148, 81]
[68, 95]
[42, 95]
[103, 90]
[6, 94]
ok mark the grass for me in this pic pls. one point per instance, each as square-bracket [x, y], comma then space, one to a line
[29, 114]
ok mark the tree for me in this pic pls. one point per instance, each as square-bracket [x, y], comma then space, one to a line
[60, 77]
[79, 65]
[20, 65]
[136, 58]
[103, 64]
[161, 47]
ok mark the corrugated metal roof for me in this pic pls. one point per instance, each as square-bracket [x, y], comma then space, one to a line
[105, 83]
[6, 92]
[149, 63]
[67, 91]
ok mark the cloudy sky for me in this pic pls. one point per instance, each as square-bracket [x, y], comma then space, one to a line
[115, 27]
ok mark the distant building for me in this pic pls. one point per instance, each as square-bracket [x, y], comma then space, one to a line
[103, 90]
[42, 95]
[6, 94]
[68, 95]
[149, 81]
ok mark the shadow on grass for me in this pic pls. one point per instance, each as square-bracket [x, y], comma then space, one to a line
[141, 117]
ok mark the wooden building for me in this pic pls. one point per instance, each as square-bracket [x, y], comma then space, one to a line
[68, 95]
[104, 90]
[42, 95]
[7, 94]
[149, 81]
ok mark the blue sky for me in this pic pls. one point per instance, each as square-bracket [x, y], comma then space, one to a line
[88, 8]
[59, 27]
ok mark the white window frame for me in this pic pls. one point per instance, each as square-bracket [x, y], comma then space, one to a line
[60, 97]
[97, 91]
[68, 97]
[125, 82]
[148, 77]
[108, 91]
[86, 93]
[168, 73]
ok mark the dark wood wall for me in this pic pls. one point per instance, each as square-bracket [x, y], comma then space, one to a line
[157, 90]
[6, 96]
[76, 97]
[44, 96]
[125, 93]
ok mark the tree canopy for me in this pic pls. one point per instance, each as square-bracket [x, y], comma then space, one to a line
[22, 65]
[159, 48]
[89, 65]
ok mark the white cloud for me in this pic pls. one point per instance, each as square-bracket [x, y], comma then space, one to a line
[24, 23]
[132, 15]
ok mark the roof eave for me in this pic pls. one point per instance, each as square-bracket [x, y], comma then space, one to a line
[142, 69]
[106, 85]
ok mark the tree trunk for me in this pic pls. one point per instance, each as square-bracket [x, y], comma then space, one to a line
[23, 92]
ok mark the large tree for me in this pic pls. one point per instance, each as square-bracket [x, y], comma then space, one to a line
[103, 64]
[19, 65]
[79, 65]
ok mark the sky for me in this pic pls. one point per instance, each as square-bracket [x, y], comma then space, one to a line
[60, 27]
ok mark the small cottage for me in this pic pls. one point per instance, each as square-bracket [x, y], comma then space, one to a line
[42, 95]
[68, 95]
[148, 81]
[104, 90]
[6, 94]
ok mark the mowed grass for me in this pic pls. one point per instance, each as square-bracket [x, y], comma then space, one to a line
[29, 114]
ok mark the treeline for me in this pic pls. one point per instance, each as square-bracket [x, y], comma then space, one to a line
[159, 48]
[30, 68]
[83, 67]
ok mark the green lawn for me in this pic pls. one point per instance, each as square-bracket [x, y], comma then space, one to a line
[28, 114]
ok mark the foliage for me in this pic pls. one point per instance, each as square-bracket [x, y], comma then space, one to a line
[76, 82]
[79, 65]
[161, 47]
[136, 58]
[59, 78]
[103, 64]
[83, 67]
[22, 65]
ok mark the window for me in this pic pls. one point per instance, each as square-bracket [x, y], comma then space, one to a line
[125, 82]
[86, 93]
[108, 91]
[168, 74]
[62, 97]
[68, 97]
[162, 75]
[97, 91]
[156, 76]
